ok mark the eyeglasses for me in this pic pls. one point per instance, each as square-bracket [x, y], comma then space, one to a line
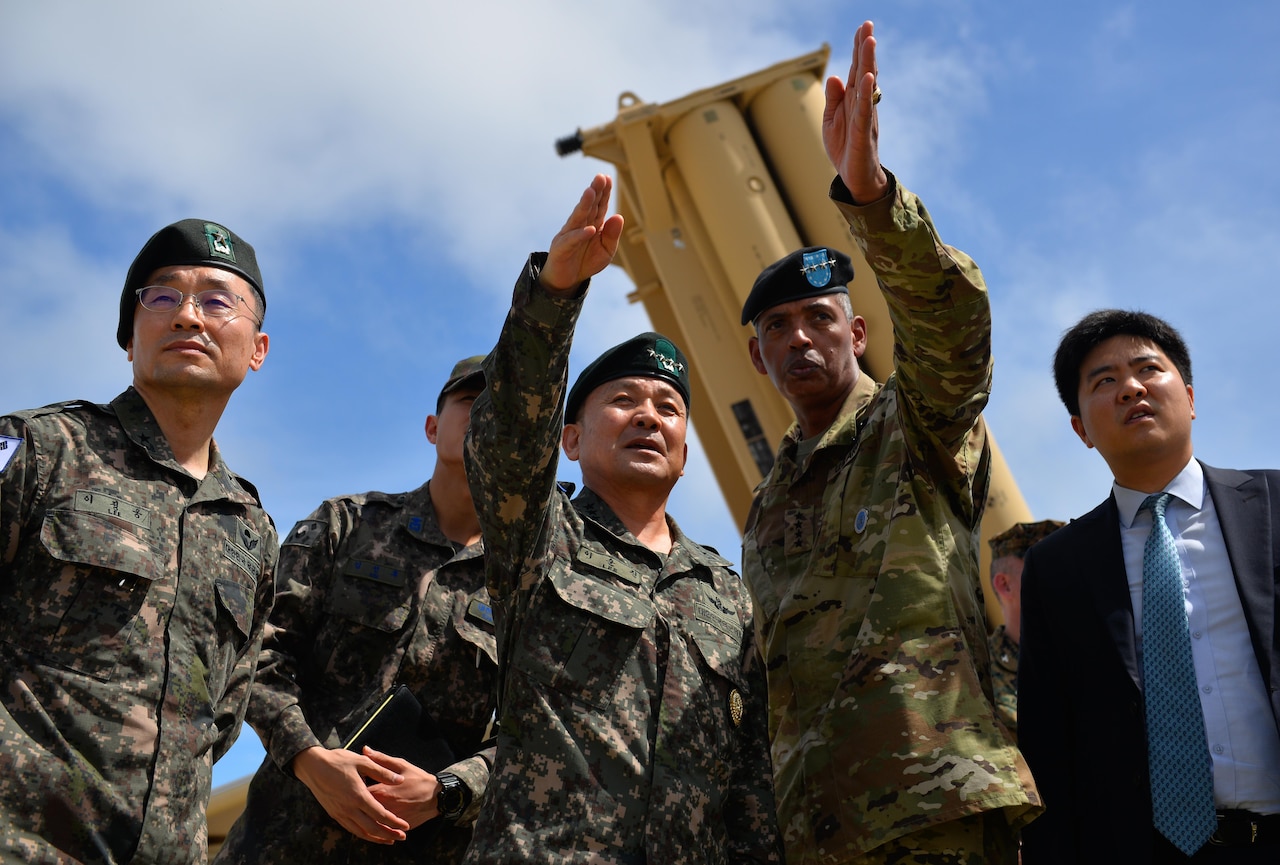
[212, 302]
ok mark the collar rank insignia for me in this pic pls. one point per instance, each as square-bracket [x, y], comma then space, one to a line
[735, 707]
[219, 240]
[817, 268]
[664, 355]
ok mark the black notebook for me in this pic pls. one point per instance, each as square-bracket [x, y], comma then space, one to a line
[398, 726]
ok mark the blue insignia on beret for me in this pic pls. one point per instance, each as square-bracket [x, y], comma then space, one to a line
[816, 268]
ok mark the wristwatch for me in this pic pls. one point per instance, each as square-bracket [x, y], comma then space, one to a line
[453, 796]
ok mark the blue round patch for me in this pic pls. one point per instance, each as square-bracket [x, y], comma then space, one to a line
[860, 521]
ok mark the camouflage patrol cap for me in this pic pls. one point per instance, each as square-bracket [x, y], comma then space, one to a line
[468, 372]
[808, 272]
[1017, 539]
[188, 242]
[649, 355]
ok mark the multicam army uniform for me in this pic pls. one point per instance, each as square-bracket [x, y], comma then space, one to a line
[1004, 678]
[624, 671]
[862, 559]
[134, 599]
[371, 594]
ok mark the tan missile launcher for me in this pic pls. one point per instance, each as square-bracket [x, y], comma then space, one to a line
[714, 187]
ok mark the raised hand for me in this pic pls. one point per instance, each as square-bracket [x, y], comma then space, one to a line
[587, 242]
[850, 126]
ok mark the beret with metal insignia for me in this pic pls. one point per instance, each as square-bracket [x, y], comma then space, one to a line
[188, 242]
[467, 372]
[649, 355]
[808, 272]
[1018, 538]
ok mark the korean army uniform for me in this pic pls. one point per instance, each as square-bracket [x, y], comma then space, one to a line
[371, 594]
[133, 598]
[632, 714]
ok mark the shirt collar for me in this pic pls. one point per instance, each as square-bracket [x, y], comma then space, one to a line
[1187, 485]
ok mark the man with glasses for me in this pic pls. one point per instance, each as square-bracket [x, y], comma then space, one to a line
[135, 574]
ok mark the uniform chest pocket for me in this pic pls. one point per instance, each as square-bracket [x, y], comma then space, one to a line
[583, 633]
[372, 594]
[97, 575]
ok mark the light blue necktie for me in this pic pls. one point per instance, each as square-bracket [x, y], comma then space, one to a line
[1177, 749]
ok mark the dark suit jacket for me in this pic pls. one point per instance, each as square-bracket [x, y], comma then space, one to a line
[1080, 708]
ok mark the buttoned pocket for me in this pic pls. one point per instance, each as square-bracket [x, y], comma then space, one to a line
[586, 629]
[98, 582]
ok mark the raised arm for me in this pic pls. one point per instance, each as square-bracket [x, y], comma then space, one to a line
[850, 125]
[516, 422]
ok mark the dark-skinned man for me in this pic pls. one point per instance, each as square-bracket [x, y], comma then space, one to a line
[861, 550]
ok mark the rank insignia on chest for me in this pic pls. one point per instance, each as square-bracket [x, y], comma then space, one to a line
[736, 707]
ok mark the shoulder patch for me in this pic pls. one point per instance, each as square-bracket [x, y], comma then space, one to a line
[306, 533]
[9, 447]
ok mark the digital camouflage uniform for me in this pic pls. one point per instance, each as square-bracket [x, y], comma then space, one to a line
[1004, 678]
[134, 599]
[622, 668]
[863, 564]
[371, 594]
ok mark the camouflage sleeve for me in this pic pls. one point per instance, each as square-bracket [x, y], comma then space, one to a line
[306, 560]
[513, 444]
[750, 815]
[233, 707]
[474, 772]
[941, 317]
[19, 488]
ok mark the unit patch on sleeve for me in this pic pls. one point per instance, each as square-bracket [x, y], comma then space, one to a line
[9, 446]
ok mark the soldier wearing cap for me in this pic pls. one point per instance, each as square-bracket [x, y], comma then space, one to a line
[632, 710]
[861, 549]
[1007, 552]
[135, 574]
[376, 590]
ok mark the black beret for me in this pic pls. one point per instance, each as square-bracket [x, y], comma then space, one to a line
[468, 371]
[649, 355]
[1017, 539]
[808, 272]
[191, 241]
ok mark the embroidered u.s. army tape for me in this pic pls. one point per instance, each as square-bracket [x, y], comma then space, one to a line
[107, 505]
[604, 562]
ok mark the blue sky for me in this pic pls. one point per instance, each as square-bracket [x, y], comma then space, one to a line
[393, 164]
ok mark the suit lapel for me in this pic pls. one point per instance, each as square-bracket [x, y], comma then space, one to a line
[1244, 513]
[1103, 562]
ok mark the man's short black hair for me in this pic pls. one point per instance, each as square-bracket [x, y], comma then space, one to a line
[1098, 327]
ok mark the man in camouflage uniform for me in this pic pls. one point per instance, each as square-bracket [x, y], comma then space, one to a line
[135, 574]
[1007, 552]
[632, 717]
[861, 550]
[374, 590]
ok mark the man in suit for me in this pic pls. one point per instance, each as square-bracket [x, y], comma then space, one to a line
[1095, 692]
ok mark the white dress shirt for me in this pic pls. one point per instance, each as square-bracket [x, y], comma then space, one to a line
[1241, 730]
